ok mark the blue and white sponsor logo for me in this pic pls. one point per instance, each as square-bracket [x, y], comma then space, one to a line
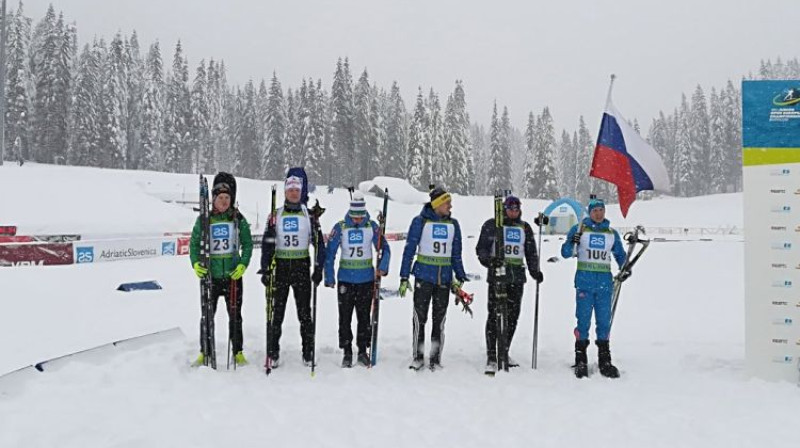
[291, 224]
[440, 232]
[782, 284]
[513, 235]
[355, 236]
[780, 172]
[84, 254]
[781, 209]
[168, 248]
[783, 321]
[784, 359]
[597, 241]
[220, 231]
[781, 245]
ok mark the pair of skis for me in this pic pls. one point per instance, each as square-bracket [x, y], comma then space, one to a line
[376, 285]
[207, 343]
[499, 286]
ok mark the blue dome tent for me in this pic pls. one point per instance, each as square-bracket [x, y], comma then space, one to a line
[563, 213]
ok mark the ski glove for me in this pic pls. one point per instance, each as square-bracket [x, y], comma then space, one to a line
[624, 275]
[576, 239]
[403, 287]
[316, 277]
[538, 276]
[238, 272]
[199, 270]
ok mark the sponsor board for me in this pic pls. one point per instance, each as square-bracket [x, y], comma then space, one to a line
[115, 250]
[183, 245]
[35, 254]
[771, 173]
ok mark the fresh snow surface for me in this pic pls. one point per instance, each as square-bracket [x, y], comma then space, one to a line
[678, 340]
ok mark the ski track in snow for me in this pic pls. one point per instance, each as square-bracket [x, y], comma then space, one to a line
[678, 340]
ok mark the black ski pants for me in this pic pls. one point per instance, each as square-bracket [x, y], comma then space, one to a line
[356, 296]
[294, 274]
[424, 294]
[513, 303]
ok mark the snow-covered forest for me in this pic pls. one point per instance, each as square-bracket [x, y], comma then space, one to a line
[118, 103]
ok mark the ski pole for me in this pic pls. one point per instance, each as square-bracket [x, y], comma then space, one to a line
[541, 220]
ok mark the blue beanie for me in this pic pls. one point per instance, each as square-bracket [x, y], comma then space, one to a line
[594, 203]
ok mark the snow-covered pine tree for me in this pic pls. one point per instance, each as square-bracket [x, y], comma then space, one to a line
[731, 102]
[378, 114]
[584, 153]
[437, 160]
[416, 145]
[364, 128]
[700, 142]
[480, 156]
[293, 126]
[86, 123]
[314, 139]
[499, 178]
[199, 125]
[248, 161]
[18, 112]
[216, 99]
[545, 153]
[457, 142]
[396, 141]
[716, 163]
[274, 158]
[177, 154]
[566, 165]
[113, 131]
[135, 97]
[530, 184]
[683, 182]
[152, 110]
[342, 123]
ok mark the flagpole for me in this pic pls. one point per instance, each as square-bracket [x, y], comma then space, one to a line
[610, 87]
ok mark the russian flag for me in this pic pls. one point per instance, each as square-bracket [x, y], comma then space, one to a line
[623, 158]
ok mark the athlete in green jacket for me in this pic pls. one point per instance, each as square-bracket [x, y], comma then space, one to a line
[230, 256]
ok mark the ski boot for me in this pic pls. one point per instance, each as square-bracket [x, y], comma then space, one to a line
[581, 366]
[417, 363]
[363, 358]
[435, 362]
[607, 369]
[512, 363]
[347, 359]
[239, 359]
[199, 361]
[491, 365]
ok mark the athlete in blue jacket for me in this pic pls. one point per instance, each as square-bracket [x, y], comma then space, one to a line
[594, 242]
[435, 238]
[356, 235]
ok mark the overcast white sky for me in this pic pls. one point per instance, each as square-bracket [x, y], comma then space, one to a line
[525, 54]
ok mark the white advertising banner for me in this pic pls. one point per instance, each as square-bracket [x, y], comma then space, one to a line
[126, 249]
[771, 165]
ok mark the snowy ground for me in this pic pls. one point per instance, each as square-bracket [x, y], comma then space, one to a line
[678, 339]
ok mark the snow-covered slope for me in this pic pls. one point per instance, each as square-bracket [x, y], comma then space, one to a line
[678, 339]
